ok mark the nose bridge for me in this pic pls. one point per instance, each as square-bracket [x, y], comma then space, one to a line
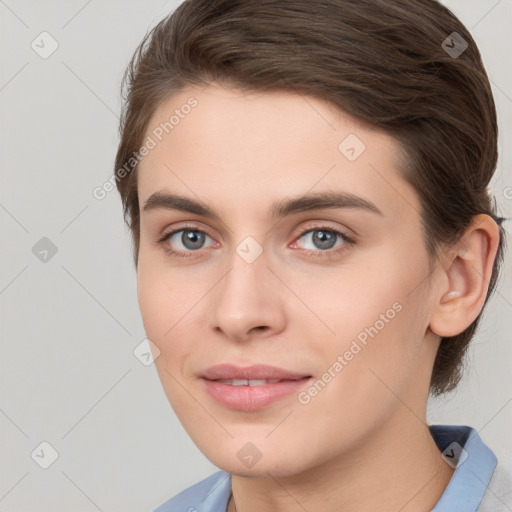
[247, 264]
[246, 297]
[245, 281]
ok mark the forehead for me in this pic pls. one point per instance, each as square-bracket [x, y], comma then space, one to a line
[237, 148]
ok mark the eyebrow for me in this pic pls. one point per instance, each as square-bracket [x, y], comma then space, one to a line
[280, 209]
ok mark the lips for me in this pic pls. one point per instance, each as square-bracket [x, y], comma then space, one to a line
[255, 372]
[251, 388]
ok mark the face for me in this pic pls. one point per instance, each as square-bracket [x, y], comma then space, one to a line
[333, 289]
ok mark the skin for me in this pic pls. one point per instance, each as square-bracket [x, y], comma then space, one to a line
[240, 152]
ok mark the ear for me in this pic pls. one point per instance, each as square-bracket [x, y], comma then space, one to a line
[467, 272]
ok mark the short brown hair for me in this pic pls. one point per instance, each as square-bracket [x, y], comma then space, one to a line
[385, 62]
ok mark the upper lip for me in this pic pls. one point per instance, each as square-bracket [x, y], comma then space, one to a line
[253, 372]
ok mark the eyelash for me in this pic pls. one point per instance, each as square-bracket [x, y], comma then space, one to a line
[326, 254]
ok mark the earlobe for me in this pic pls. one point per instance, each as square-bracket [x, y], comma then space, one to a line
[467, 272]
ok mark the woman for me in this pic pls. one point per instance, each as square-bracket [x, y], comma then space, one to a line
[306, 186]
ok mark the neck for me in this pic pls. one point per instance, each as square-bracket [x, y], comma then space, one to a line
[399, 467]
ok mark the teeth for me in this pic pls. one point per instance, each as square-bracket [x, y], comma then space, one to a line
[246, 382]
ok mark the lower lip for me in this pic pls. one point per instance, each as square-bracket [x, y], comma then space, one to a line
[252, 398]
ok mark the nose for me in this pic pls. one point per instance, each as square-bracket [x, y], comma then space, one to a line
[248, 301]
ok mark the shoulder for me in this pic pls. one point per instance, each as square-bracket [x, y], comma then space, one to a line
[208, 495]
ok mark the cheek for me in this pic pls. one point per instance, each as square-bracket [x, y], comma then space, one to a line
[151, 298]
[169, 302]
[161, 294]
[351, 298]
[161, 310]
[159, 303]
[369, 317]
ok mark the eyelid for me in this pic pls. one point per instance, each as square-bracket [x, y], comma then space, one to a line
[318, 224]
[186, 225]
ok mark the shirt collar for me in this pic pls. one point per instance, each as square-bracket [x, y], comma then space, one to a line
[474, 462]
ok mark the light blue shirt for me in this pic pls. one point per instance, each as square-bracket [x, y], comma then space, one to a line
[461, 447]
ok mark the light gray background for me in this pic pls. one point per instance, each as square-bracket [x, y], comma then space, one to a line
[68, 328]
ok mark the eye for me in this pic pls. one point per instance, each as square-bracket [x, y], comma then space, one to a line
[325, 241]
[190, 239]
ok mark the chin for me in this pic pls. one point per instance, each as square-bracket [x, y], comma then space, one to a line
[275, 465]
